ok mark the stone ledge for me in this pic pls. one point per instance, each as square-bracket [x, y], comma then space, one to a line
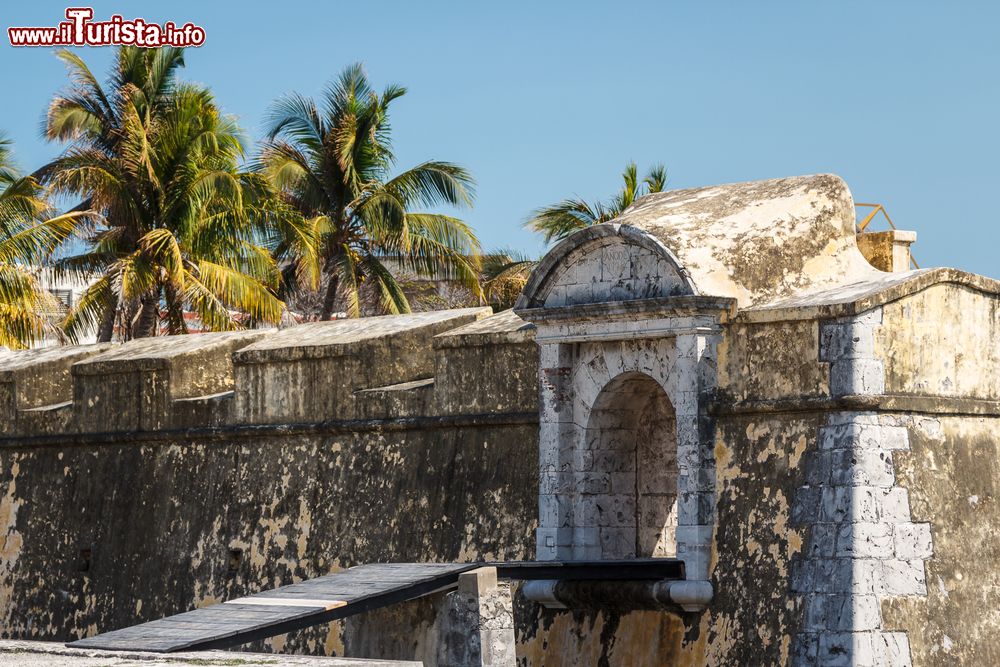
[317, 340]
[645, 308]
[45, 654]
[856, 298]
[931, 404]
[162, 352]
[185, 436]
[504, 328]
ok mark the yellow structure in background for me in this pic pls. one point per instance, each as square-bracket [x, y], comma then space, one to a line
[875, 210]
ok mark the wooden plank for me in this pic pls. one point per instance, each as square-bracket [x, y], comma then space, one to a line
[312, 603]
[341, 594]
[283, 609]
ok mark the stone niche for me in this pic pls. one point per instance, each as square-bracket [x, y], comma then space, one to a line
[627, 350]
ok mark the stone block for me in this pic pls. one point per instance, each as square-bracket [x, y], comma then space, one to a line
[831, 575]
[895, 505]
[846, 649]
[578, 293]
[618, 542]
[552, 537]
[818, 467]
[623, 290]
[555, 510]
[903, 577]
[913, 541]
[586, 536]
[822, 542]
[694, 535]
[591, 553]
[803, 575]
[847, 575]
[593, 483]
[555, 355]
[859, 418]
[478, 582]
[892, 649]
[623, 482]
[840, 436]
[842, 613]
[615, 460]
[806, 505]
[857, 377]
[475, 624]
[862, 468]
[550, 483]
[695, 508]
[854, 340]
[616, 510]
[864, 540]
[805, 650]
[895, 437]
[850, 503]
[546, 552]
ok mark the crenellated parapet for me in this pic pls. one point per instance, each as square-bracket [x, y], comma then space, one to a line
[417, 365]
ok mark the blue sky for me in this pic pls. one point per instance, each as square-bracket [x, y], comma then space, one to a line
[547, 100]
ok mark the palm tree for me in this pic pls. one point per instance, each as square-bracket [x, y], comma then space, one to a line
[183, 227]
[504, 275]
[28, 234]
[558, 221]
[333, 164]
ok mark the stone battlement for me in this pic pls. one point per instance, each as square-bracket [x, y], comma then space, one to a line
[419, 365]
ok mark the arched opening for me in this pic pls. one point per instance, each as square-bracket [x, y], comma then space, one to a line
[631, 444]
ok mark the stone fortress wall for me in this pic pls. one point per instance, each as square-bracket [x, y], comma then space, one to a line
[141, 480]
[835, 443]
[817, 439]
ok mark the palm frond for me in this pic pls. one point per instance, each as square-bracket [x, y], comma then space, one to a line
[237, 290]
[433, 183]
[560, 220]
[96, 299]
[390, 294]
[656, 178]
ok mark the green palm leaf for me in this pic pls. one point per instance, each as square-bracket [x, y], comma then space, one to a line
[332, 163]
[557, 221]
[182, 227]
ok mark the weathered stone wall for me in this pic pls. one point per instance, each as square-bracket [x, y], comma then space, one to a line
[162, 520]
[747, 623]
[855, 539]
[855, 514]
[942, 341]
[769, 361]
[832, 377]
[159, 488]
[952, 472]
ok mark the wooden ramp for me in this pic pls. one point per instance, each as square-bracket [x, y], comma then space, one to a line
[284, 609]
[343, 594]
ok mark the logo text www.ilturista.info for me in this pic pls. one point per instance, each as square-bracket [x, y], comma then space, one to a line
[80, 30]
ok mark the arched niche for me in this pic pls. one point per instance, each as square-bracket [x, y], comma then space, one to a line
[631, 442]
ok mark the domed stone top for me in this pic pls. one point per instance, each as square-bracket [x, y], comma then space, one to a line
[761, 242]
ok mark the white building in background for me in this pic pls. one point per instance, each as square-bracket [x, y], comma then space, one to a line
[69, 291]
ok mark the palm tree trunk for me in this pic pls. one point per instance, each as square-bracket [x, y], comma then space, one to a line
[149, 315]
[106, 329]
[331, 297]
